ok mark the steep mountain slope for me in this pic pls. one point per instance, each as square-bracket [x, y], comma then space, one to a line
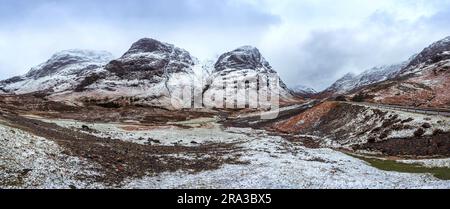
[240, 70]
[62, 72]
[424, 82]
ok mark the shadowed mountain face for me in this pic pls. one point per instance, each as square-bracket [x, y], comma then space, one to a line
[149, 57]
[436, 52]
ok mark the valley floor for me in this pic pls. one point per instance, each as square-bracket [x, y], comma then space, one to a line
[201, 153]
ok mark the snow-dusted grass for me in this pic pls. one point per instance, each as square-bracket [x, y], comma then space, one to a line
[274, 162]
[418, 120]
[392, 165]
[277, 163]
[430, 163]
[28, 161]
[170, 135]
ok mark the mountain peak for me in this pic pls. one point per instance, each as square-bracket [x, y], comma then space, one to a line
[83, 54]
[303, 90]
[147, 45]
[245, 57]
[248, 48]
[445, 40]
[348, 76]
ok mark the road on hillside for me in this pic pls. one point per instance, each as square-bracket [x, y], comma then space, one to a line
[420, 110]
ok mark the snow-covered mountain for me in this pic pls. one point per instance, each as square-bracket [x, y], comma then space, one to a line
[147, 74]
[150, 73]
[351, 81]
[433, 54]
[303, 91]
[424, 82]
[238, 68]
[62, 72]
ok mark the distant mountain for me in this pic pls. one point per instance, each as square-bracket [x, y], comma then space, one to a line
[303, 91]
[351, 82]
[424, 82]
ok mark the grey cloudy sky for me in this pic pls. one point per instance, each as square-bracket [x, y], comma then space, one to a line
[309, 42]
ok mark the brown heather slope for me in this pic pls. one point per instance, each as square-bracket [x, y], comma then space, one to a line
[305, 120]
[424, 82]
[357, 127]
[430, 88]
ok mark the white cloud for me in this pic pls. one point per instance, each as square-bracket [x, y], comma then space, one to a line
[321, 40]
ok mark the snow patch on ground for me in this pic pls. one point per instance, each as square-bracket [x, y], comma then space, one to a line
[436, 122]
[277, 163]
[28, 161]
[273, 162]
[170, 135]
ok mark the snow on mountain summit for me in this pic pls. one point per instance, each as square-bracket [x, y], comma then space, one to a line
[61, 72]
[245, 57]
[148, 57]
[147, 74]
[150, 73]
[436, 52]
[302, 90]
[351, 81]
[423, 82]
[74, 60]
